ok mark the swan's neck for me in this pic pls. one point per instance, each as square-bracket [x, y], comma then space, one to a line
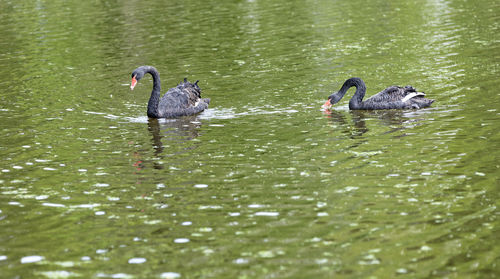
[356, 100]
[154, 100]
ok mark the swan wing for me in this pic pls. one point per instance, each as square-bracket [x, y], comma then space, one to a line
[192, 91]
[390, 94]
[174, 98]
[411, 95]
[184, 99]
[184, 95]
[395, 94]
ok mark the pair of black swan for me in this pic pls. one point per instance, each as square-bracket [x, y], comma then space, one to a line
[185, 99]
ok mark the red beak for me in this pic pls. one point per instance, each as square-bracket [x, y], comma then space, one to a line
[134, 82]
[327, 104]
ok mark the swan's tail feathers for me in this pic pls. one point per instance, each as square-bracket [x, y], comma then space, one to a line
[413, 99]
[186, 85]
[192, 90]
[410, 88]
[421, 102]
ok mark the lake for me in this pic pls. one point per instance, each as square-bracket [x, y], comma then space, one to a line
[263, 184]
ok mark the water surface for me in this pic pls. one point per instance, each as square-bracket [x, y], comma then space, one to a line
[263, 184]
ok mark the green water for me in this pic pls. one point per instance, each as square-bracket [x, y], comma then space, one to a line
[263, 184]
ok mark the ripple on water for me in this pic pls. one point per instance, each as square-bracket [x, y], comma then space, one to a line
[32, 259]
[230, 113]
[170, 275]
[210, 113]
[136, 260]
[58, 274]
[115, 275]
[53, 204]
[267, 213]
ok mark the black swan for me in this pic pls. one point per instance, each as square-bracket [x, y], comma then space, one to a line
[185, 99]
[393, 97]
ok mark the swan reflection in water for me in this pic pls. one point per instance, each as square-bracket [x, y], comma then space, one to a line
[396, 120]
[174, 135]
[341, 120]
[179, 130]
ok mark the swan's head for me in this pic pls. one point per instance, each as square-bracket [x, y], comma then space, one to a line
[137, 74]
[332, 100]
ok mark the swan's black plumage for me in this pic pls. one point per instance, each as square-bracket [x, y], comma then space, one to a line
[393, 97]
[184, 99]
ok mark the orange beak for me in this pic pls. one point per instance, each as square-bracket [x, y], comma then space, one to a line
[134, 82]
[327, 104]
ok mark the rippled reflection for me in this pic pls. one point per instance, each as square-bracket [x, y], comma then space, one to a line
[181, 129]
[353, 123]
[173, 132]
